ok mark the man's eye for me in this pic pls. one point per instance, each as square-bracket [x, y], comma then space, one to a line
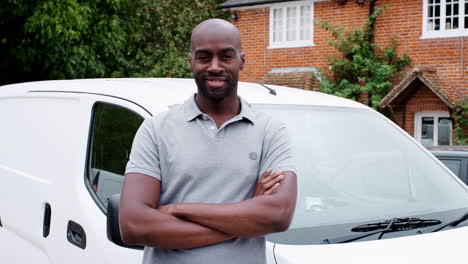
[203, 58]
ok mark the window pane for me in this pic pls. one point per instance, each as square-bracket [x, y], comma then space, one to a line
[430, 25]
[448, 10]
[433, 22]
[455, 9]
[453, 165]
[448, 24]
[113, 130]
[305, 23]
[427, 131]
[466, 22]
[277, 25]
[444, 131]
[291, 24]
[455, 23]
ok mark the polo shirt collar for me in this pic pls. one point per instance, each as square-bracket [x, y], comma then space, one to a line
[246, 110]
[192, 111]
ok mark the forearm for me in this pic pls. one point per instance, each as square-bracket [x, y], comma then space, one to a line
[250, 218]
[150, 227]
[254, 217]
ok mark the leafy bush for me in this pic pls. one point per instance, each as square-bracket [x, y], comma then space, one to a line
[363, 67]
[460, 118]
[98, 38]
[160, 37]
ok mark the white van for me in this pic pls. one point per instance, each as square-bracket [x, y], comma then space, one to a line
[368, 192]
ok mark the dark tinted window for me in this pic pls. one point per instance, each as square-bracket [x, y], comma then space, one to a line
[113, 129]
[453, 165]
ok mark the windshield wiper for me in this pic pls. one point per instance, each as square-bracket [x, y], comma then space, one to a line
[453, 223]
[392, 225]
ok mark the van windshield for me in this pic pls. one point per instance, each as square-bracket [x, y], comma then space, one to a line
[354, 166]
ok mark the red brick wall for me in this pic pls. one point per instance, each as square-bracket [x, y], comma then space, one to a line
[402, 18]
[303, 80]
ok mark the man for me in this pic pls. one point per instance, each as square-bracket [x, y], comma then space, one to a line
[192, 192]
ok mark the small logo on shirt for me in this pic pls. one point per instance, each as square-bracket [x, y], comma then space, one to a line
[253, 155]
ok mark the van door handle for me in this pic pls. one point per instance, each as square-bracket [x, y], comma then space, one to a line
[46, 222]
[76, 234]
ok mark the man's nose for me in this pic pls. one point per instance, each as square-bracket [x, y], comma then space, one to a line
[215, 66]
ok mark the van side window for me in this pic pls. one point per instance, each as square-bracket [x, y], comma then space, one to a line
[113, 129]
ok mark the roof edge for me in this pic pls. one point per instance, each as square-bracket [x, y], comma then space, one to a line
[223, 6]
[442, 96]
[417, 73]
[387, 99]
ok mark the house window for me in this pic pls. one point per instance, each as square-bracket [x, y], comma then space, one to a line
[445, 18]
[433, 128]
[291, 24]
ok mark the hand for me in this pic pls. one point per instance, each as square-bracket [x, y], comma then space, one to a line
[269, 183]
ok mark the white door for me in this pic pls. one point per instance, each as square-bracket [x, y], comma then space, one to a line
[91, 150]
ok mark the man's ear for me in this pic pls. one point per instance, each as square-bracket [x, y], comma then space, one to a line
[189, 60]
[242, 66]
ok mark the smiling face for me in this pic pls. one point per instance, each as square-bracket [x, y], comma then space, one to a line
[216, 59]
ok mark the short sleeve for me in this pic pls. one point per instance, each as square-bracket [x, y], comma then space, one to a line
[276, 150]
[144, 156]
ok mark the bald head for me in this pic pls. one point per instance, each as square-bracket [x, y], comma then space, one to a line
[215, 60]
[215, 27]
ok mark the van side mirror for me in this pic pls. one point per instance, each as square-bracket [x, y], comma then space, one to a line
[113, 227]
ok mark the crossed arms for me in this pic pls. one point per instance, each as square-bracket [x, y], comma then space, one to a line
[190, 225]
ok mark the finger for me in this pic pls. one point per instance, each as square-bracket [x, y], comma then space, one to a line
[265, 174]
[259, 186]
[273, 189]
[258, 189]
[271, 177]
[271, 183]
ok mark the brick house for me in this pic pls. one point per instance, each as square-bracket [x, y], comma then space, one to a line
[284, 46]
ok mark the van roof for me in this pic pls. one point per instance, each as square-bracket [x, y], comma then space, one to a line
[145, 91]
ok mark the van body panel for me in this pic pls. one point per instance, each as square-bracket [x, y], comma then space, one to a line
[15, 249]
[44, 150]
[423, 248]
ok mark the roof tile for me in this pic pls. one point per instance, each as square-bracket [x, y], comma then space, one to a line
[429, 76]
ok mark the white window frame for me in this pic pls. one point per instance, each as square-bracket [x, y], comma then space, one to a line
[436, 115]
[444, 33]
[294, 43]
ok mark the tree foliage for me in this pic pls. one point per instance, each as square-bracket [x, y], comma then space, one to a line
[460, 117]
[41, 39]
[160, 38]
[363, 67]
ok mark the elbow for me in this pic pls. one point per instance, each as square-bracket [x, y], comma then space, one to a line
[281, 225]
[135, 231]
[130, 229]
[128, 233]
[282, 219]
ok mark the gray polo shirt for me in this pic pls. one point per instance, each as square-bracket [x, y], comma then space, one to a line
[197, 162]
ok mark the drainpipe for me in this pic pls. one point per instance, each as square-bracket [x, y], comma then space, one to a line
[371, 33]
[462, 57]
